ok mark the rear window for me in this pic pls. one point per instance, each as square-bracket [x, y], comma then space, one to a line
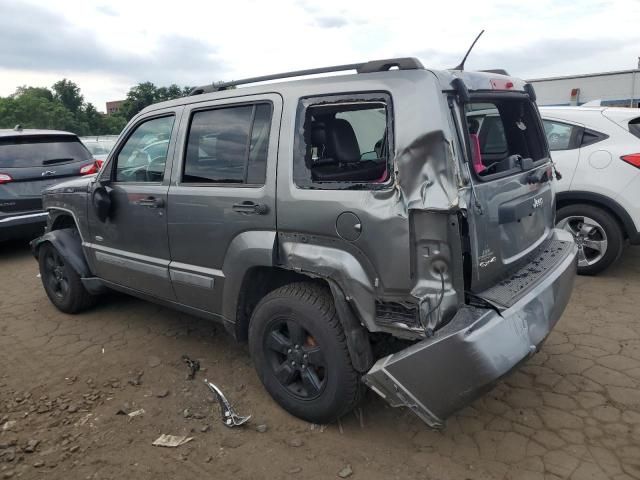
[41, 150]
[505, 136]
[634, 127]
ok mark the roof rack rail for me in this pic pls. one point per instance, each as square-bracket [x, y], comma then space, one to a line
[405, 63]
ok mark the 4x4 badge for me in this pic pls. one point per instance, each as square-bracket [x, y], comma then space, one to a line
[485, 263]
[537, 202]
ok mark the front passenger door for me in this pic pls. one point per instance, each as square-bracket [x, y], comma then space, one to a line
[131, 247]
[564, 145]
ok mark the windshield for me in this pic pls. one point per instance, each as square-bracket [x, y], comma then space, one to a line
[41, 150]
[505, 136]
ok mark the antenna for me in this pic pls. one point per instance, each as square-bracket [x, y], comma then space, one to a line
[461, 66]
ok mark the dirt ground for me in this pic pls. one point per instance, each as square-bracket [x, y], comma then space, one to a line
[572, 411]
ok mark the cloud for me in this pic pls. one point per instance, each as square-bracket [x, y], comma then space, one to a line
[331, 22]
[528, 60]
[39, 40]
[107, 10]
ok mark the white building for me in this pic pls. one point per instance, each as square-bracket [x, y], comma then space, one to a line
[621, 88]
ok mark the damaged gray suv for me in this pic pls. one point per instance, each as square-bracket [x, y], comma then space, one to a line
[355, 230]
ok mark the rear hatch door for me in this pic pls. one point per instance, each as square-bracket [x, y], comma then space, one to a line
[512, 207]
[31, 163]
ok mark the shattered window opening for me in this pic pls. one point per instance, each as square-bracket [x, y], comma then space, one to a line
[505, 137]
[343, 143]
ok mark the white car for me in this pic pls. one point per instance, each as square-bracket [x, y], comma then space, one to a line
[597, 152]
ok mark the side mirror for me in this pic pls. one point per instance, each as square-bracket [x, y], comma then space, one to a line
[101, 201]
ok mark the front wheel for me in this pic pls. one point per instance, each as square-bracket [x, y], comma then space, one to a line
[61, 282]
[300, 353]
[598, 236]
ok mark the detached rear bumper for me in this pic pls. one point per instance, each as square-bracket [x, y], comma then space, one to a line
[442, 374]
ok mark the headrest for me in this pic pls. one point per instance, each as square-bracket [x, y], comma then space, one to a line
[342, 144]
[474, 125]
[318, 134]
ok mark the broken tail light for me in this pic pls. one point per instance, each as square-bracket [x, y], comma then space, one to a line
[4, 178]
[501, 84]
[632, 159]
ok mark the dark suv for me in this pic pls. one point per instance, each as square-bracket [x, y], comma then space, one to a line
[348, 227]
[30, 161]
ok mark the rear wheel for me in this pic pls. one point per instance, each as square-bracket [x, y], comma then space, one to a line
[300, 353]
[61, 282]
[598, 235]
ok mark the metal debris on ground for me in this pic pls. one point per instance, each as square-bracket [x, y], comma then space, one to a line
[171, 441]
[194, 366]
[229, 416]
[8, 425]
[346, 472]
[137, 379]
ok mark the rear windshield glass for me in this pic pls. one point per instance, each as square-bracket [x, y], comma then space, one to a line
[41, 150]
[505, 136]
[634, 127]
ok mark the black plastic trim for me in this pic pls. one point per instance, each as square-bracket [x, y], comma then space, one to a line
[69, 245]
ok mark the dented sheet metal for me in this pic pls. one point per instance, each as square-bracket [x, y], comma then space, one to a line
[440, 375]
[427, 174]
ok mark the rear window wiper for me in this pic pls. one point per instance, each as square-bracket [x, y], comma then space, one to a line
[52, 161]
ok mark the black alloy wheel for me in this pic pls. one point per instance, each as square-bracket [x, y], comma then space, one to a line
[296, 359]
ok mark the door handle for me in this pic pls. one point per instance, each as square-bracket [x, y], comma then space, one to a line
[151, 202]
[250, 207]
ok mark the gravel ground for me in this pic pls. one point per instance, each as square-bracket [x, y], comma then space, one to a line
[572, 411]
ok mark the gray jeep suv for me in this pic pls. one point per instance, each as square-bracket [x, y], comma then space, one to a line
[350, 228]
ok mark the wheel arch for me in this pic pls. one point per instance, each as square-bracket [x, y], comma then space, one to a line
[612, 207]
[61, 219]
[69, 245]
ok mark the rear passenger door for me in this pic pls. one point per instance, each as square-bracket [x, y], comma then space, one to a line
[223, 185]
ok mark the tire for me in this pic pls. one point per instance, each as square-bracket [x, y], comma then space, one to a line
[61, 282]
[600, 239]
[319, 387]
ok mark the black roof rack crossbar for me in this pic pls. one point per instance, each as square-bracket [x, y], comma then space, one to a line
[408, 63]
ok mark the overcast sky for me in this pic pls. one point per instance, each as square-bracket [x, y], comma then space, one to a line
[107, 46]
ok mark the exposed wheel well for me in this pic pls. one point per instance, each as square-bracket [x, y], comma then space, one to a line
[576, 201]
[258, 282]
[63, 221]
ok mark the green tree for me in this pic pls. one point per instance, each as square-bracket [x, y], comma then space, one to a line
[146, 93]
[63, 107]
[34, 111]
[139, 97]
[112, 124]
[41, 92]
[68, 93]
